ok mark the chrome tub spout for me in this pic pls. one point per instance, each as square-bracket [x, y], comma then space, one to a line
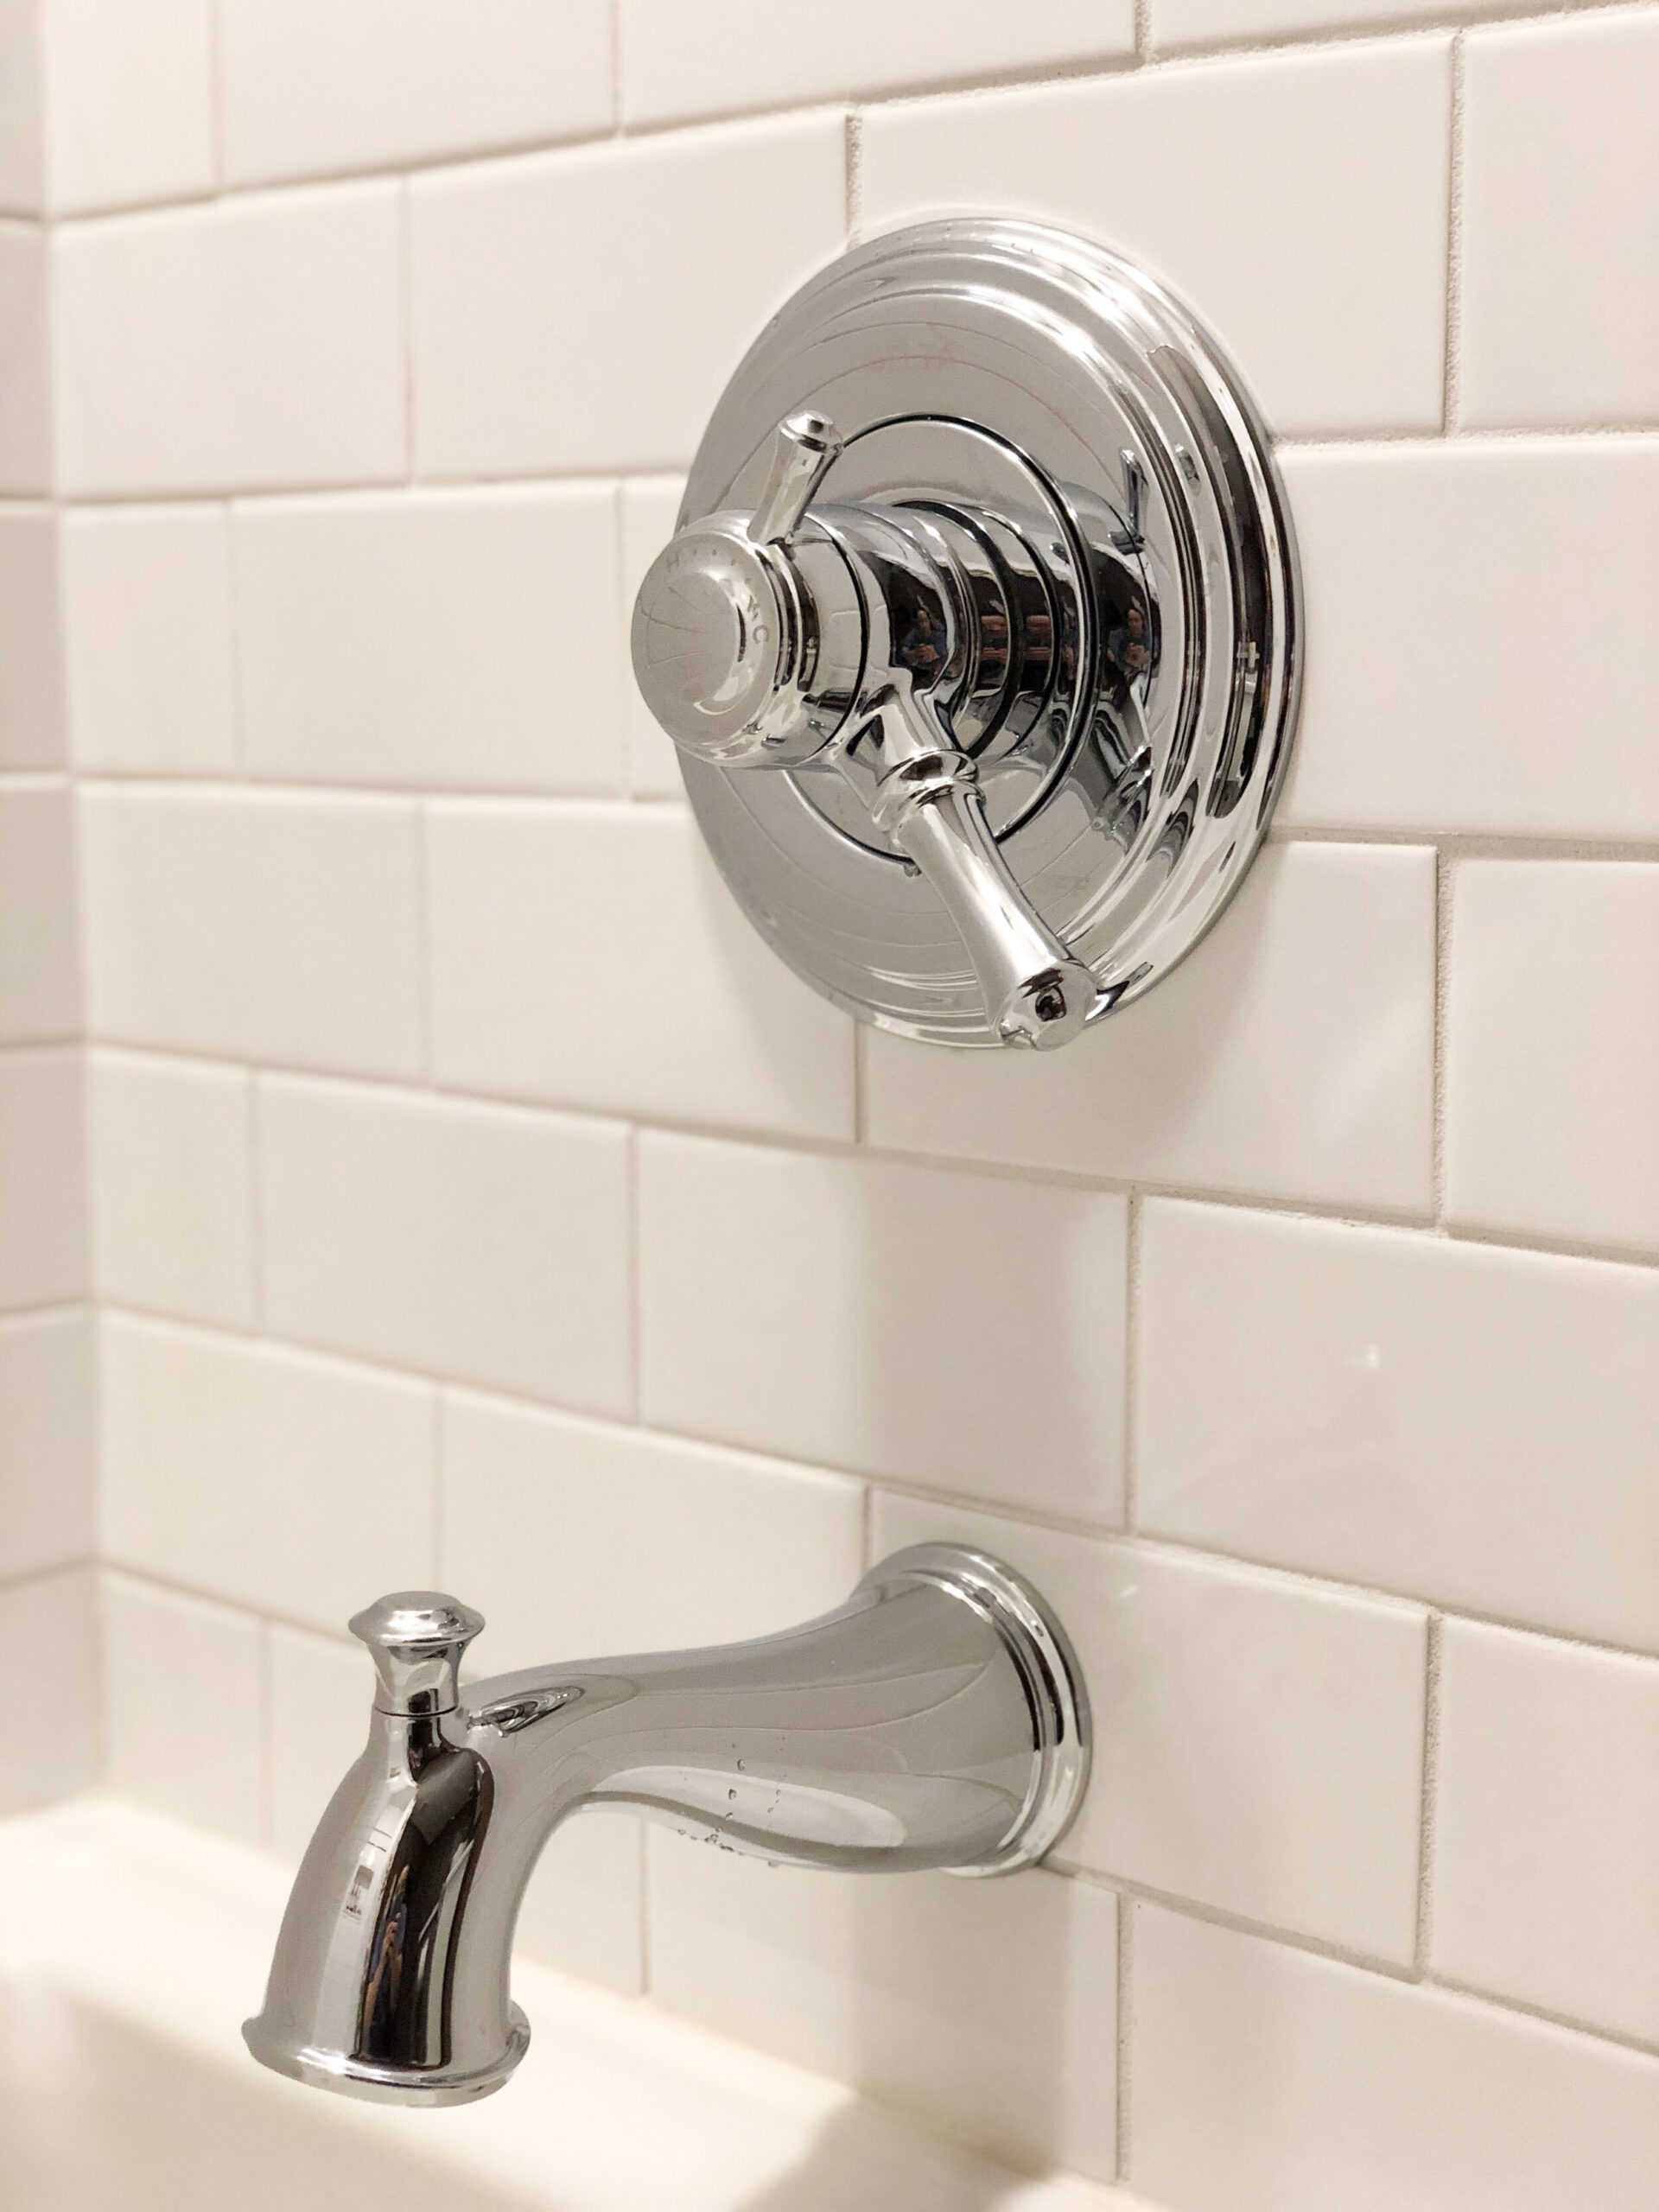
[936, 1719]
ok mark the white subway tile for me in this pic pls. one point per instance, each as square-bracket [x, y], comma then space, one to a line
[260, 342]
[49, 1656]
[478, 1243]
[129, 90]
[1179, 24]
[449, 638]
[43, 1178]
[264, 1477]
[48, 1441]
[583, 1909]
[1464, 1424]
[1258, 1741]
[267, 926]
[171, 1170]
[576, 1539]
[594, 958]
[183, 1707]
[1267, 2080]
[22, 152]
[1545, 1881]
[1560, 242]
[988, 2009]
[312, 86]
[1425, 569]
[678, 62]
[31, 646]
[322, 1690]
[584, 310]
[1298, 202]
[651, 507]
[1291, 1055]
[1553, 1050]
[40, 965]
[147, 623]
[949, 1330]
[25, 361]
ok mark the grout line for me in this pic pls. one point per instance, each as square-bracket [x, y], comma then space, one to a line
[1134, 1257]
[633, 1231]
[1018, 1512]
[1429, 1801]
[1428, 436]
[406, 314]
[1452, 390]
[1136, 1893]
[216, 100]
[1129, 1891]
[861, 1085]
[426, 1010]
[613, 39]
[51, 1309]
[1104, 68]
[24, 1578]
[256, 1221]
[1126, 1916]
[1443, 891]
[1621, 2038]
[163, 785]
[855, 128]
[612, 1120]
[1473, 844]
[239, 779]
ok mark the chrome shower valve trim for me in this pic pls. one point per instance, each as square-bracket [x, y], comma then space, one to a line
[938, 1720]
[984, 558]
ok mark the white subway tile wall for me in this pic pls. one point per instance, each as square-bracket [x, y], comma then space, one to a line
[148, 642]
[25, 396]
[1560, 210]
[466, 639]
[412, 1166]
[40, 963]
[129, 98]
[31, 647]
[48, 1442]
[1545, 1880]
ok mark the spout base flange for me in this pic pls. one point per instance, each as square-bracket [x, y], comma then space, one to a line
[1054, 1687]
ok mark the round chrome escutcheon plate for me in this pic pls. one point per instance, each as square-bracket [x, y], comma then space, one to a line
[1084, 415]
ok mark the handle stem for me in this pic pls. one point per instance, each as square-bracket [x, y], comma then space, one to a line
[930, 805]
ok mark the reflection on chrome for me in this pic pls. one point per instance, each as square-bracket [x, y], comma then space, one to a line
[936, 1719]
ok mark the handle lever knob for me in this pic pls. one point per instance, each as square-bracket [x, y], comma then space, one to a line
[804, 446]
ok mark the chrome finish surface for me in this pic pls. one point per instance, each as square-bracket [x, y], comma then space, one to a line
[985, 556]
[936, 1719]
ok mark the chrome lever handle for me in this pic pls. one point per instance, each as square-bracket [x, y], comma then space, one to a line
[1035, 993]
[804, 446]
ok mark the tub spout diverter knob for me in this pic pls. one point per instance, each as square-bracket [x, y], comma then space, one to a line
[417, 1639]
